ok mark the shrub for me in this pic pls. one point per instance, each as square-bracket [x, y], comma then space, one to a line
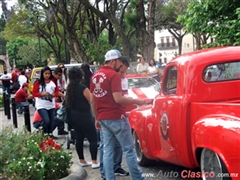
[27, 156]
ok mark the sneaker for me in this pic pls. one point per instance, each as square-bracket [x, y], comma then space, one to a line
[54, 137]
[85, 164]
[121, 172]
[95, 166]
[103, 177]
[62, 132]
[19, 112]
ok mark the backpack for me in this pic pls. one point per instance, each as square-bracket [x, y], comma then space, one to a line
[16, 86]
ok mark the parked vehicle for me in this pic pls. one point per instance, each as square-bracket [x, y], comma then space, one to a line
[35, 73]
[142, 87]
[194, 121]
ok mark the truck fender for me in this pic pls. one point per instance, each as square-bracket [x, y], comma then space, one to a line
[221, 134]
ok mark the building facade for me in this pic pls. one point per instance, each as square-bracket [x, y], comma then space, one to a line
[167, 46]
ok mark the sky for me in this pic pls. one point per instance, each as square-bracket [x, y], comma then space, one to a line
[9, 4]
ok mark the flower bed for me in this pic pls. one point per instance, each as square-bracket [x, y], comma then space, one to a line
[29, 156]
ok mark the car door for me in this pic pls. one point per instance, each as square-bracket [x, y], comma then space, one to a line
[167, 110]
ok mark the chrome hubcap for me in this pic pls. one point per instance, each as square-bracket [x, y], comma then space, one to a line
[210, 165]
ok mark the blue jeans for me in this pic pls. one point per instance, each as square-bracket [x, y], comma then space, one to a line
[39, 124]
[21, 105]
[47, 119]
[117, 154]
[121, 130]
[6, 89]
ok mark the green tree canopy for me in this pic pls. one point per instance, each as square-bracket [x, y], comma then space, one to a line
[29, 54]
[216, 19]
[13, 47]
[166, 18]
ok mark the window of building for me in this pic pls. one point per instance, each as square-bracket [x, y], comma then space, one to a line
[173, 42]
[168, 44]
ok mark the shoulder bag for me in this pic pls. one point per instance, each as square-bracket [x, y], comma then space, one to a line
[62, 112]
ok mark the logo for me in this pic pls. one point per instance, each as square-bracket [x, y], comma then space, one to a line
[98, 80]
[164, 126]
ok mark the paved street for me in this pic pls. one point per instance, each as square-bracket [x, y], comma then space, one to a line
[160, 170]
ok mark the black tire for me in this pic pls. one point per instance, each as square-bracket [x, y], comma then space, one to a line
[142, 160]
[211, 162]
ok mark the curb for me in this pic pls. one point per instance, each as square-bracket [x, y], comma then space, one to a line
[78, 173]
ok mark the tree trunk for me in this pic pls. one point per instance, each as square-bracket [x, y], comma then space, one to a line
[145, 35]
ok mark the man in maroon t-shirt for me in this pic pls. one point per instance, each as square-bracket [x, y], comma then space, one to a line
[21, 96]
[107, 104]
[15, 74]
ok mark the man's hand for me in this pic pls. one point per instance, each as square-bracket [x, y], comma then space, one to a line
[141, 102]
[97, 125]
[148, 101]
[30, 96]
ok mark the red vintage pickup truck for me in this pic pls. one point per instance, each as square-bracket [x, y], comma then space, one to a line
[195, 119]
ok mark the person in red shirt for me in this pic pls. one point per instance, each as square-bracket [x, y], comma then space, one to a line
[21, 97]
[118, 170]
[15, 75]
[107, 104]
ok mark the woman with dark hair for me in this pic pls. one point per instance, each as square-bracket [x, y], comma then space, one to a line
[62, 82]
[43, 91]
[80, 118]
[86, 75]
[153, 70]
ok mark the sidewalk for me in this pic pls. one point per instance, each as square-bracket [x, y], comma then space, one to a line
[78, 173]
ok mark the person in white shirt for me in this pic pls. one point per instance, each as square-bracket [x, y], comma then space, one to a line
[153, 70]
[62, 82]
[22, 78]
[6, 82]
[142, 67]
[44, 90]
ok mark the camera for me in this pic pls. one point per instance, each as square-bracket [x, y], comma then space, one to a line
[48, 97]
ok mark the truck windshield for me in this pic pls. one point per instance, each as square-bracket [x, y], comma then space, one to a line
[222, 72]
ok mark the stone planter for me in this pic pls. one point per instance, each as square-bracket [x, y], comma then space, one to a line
[78, 173]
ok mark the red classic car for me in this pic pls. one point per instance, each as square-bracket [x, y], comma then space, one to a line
[142, 87]
[195, 119]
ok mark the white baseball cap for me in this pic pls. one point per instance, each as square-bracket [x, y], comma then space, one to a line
[112, 54]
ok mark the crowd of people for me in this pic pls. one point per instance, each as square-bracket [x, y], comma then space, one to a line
[152, 68]
[96, 109]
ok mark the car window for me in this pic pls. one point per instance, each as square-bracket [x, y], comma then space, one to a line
[170, 82]
[36, 75]
[143, 83]
[222, 72]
